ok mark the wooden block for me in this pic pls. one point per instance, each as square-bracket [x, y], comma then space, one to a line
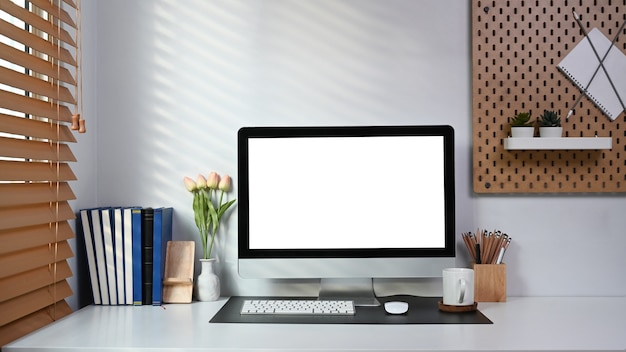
[178, 277]
[490, 282]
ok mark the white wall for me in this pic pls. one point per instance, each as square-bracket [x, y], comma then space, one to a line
[168, 84]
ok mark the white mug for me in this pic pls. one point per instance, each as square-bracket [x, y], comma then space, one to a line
[458, 287]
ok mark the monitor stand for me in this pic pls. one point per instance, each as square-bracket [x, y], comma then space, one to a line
[361, 291]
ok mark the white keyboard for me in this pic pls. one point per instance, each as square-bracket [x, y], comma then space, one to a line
[298, 307]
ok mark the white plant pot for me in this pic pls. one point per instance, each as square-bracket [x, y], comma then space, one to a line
[208, 283]
[522, 132]
[551, 132]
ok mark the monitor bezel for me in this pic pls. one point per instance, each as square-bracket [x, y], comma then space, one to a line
[247, 133]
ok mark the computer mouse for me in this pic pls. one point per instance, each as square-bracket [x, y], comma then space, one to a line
[396, 307]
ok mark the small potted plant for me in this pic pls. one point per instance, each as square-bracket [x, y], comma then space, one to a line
[522, 126]
[550, 124]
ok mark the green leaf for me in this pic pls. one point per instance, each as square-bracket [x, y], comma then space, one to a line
[225, 207]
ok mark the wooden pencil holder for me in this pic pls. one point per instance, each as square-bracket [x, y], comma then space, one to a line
[489, 282]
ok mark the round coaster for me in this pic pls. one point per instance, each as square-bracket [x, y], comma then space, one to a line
[457, 309]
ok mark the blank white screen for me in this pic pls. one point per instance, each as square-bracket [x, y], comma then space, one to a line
[346, 192]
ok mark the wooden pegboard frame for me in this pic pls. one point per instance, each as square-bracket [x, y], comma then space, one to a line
[516, 46]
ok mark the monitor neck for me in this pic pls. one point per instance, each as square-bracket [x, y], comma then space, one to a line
[359, 290]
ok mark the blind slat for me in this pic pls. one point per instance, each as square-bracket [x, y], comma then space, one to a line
[35, 85]
[32, 280]
[36, 21]
[36, 150]
[36, 107]
[71, 3]
[16, 217]
[35, 129]
[35, 42]
[32, 322]
[54, 10]
[15, 194]
[33, 301]
[32, 171]
[36, 64]
[21, 238]
[33, 258]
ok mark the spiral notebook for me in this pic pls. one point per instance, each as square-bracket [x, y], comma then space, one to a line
[581, 63]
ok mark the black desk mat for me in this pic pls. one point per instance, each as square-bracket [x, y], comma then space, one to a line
[422, 310]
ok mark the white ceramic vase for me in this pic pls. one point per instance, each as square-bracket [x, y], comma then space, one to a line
[208, 283]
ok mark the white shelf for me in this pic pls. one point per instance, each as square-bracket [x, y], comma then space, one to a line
[537, 143]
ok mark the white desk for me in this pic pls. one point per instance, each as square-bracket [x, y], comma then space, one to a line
[528, 324]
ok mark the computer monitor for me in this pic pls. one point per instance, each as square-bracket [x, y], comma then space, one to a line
[346, 205]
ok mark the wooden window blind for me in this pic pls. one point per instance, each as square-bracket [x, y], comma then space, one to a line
[39, 92]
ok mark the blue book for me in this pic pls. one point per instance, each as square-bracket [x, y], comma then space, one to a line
[162, 234]
[137, 261]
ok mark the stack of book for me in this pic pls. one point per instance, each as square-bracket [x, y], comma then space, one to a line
[125, 249]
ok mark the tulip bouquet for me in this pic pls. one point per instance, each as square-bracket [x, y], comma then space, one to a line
[208, 208]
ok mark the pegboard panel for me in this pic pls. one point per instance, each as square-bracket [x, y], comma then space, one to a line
[516, 46]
